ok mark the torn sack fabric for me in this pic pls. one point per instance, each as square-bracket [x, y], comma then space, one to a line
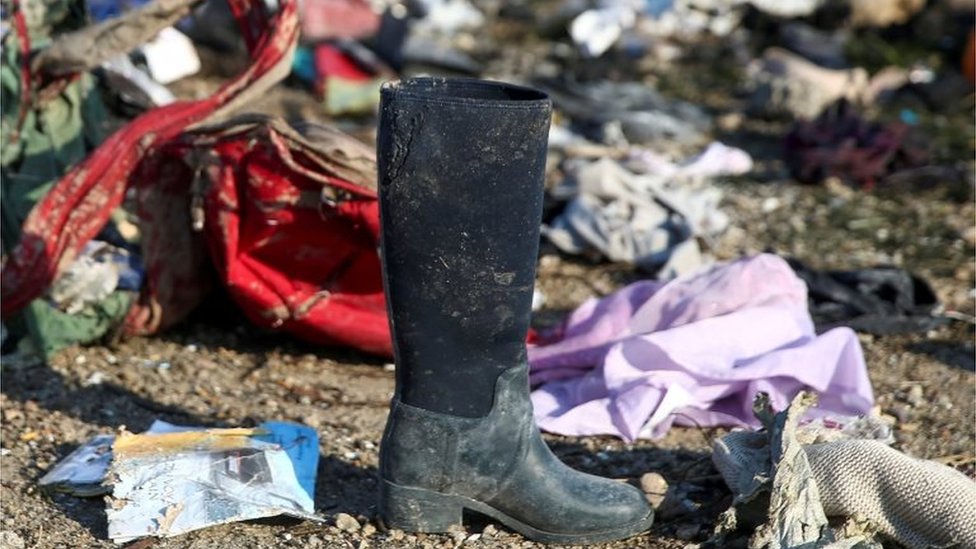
[812, 473]
[693, 351]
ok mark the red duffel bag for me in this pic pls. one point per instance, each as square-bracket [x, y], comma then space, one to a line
[290, 219]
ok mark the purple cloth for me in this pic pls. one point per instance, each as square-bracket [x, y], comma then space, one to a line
[694, 351]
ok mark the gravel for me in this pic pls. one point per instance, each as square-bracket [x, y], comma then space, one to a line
[215, 371]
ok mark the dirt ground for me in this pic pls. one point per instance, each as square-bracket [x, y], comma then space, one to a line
[216, 370]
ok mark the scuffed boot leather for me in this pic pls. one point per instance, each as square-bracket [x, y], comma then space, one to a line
[433, 466]
[461, 167]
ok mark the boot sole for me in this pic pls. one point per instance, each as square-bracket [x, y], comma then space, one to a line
[419, 510]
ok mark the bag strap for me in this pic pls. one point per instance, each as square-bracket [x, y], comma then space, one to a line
[79, 205]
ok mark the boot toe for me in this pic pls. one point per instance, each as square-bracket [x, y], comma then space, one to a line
[559, 504]
[575, 508]
[610, 505]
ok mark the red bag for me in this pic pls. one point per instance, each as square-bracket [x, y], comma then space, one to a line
[290, 260]
[291, 222]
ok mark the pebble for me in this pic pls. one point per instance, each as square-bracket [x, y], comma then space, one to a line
[458, 534]
[902, 412]
[489, 531]
[347, 523]
[916, 396]
[96, 378]
[368, 530]
[770, 204]
[909, 427]
[396, 535]
[654, 487]
[11, 540]
[729, 122]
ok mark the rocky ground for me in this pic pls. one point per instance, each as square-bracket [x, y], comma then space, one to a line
[216, 371]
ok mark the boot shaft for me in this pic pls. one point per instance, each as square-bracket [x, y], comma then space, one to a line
[461, 167]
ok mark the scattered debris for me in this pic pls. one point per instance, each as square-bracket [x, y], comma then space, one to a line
[883, 13]
[620, 113]
[170, 56]
[879, 300]
[841, 143]
[784, 83]
[646, 211]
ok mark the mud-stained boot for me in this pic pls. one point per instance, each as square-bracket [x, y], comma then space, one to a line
[461, 166]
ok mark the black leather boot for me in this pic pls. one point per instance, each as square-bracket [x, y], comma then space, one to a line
[461, 165]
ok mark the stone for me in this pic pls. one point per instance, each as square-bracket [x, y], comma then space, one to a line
[916, 396]
[347, 523]
[11, 540]
[902, 412]
[654, 487]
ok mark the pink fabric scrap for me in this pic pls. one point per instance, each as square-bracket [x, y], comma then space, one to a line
[694, 351]
[333, 19]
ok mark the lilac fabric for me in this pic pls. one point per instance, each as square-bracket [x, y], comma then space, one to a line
[694, 351]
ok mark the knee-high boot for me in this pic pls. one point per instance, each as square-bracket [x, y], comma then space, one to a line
[461, 165]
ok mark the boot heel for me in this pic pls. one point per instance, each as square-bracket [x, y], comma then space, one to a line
[417, 510]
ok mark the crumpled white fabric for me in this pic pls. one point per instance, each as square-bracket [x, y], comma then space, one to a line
[89, 279]
[645, 210]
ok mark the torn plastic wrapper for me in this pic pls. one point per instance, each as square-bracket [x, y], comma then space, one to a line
[173, 483]
[172, 479]
[82, 472]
